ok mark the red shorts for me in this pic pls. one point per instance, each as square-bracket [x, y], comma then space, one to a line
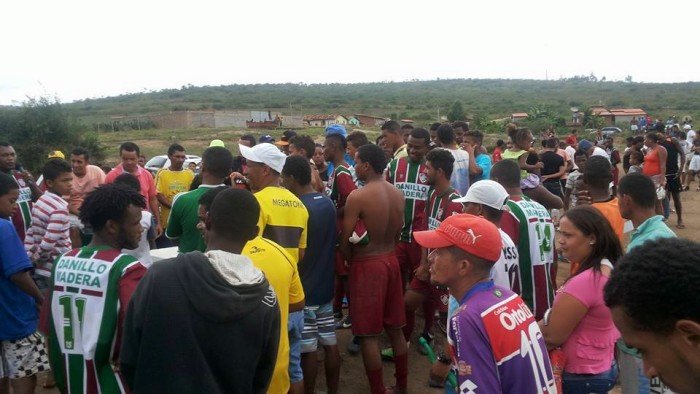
[44, 326]
[439, 297]
[408, 254]
[376, 294]
[340, 268]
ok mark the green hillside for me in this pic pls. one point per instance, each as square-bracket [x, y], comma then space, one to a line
[418, 100]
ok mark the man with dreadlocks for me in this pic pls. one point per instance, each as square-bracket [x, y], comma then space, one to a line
[90, 290]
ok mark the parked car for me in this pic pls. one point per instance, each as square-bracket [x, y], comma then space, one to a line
[611, 130]
[162, 161]
[606, 131]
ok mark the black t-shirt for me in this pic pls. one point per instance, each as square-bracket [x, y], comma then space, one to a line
[323, 173]
[671, 157]
[552, 162]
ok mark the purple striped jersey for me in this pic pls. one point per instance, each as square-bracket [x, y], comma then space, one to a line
[411, 179]
[496, 344]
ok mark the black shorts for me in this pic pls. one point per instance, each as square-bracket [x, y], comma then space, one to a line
[673, 183]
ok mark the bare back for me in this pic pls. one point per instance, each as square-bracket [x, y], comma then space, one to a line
[380, 205]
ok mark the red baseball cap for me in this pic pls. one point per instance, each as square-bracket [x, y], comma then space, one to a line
[473, 234]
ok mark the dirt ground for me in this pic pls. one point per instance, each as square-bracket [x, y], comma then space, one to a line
[353, 379]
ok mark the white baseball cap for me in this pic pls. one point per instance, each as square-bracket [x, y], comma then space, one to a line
[486, 192]
[265, 153]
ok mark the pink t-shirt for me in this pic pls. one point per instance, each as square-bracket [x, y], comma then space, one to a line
[590, 347]
[148, 187]
[94, 176]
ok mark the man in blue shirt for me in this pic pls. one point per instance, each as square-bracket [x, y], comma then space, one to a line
[340, 130]
[316, 269]
[479, 163]
[22, 351]
[636, 199]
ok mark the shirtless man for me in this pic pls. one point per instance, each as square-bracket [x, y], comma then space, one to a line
[376, 295]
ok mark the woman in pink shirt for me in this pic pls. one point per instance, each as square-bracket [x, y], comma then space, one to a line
[579, 322]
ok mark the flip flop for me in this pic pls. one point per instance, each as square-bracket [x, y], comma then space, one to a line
[680, 226]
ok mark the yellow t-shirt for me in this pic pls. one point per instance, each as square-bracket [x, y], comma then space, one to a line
[283, 219]
[280, 269]
[169, 183]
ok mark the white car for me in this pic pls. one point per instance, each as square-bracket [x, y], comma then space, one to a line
[162, 161]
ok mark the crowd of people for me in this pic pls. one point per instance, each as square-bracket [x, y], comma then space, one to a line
[280, 246]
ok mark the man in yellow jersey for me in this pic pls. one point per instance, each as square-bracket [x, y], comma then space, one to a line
[284, 220]
[169, 182]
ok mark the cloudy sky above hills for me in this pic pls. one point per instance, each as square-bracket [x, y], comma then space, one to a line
[82, 49]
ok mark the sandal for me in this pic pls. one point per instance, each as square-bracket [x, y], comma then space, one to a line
[685, 188]
[680, 226]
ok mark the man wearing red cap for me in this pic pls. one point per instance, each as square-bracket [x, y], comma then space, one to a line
[494, 340]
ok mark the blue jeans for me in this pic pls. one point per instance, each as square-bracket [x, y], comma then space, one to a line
[586, 383]
[295, 327]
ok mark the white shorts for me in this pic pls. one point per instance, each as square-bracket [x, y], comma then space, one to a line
[23, 357]
[694, 163]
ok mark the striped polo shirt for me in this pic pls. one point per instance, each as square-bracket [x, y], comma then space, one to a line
[49, 234]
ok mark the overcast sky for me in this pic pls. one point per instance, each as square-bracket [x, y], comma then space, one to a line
[82, 49]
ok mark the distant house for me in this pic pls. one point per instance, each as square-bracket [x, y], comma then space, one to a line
[324, 120]
[613, 116]
[626, 115]
[371, 121]
[518, 116]
[353, 121]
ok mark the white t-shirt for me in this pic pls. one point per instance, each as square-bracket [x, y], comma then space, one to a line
[460, 172]
[505, 272]
[143, 251]
[690, 136]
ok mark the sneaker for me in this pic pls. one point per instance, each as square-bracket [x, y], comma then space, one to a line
[354, 346]
[338, 315]
[428, 338]
[388, 353]
[345, 323]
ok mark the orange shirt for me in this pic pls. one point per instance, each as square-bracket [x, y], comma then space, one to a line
[94, 176]
[611, 211]
[651, 163]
